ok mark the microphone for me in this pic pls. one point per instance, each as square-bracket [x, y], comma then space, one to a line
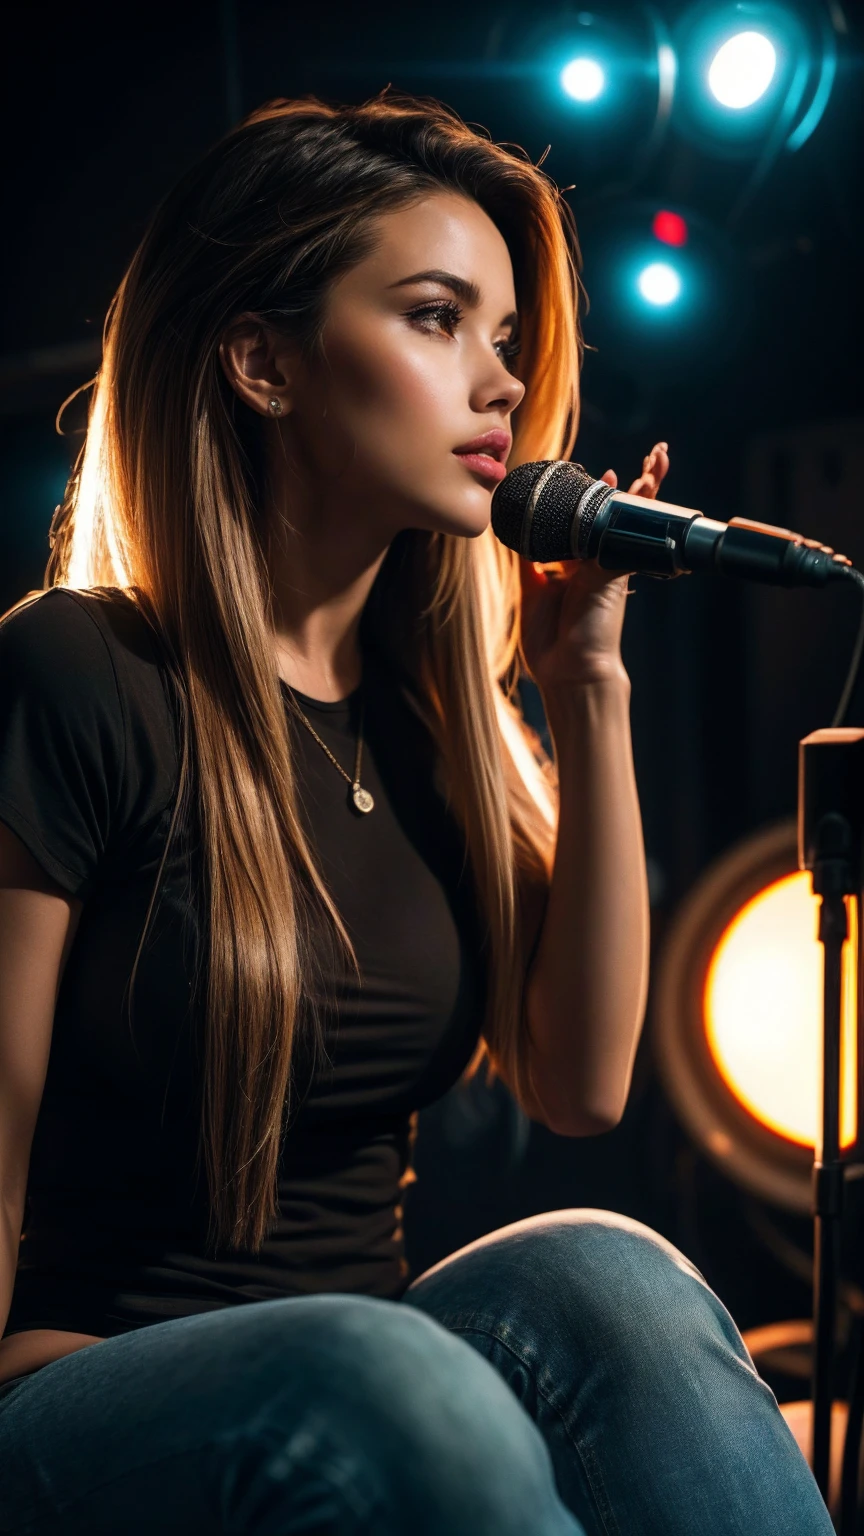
[554, 510]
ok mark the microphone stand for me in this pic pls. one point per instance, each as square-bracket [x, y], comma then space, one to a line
[830, 841]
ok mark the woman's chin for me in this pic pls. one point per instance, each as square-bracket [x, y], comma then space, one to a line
[466, 522]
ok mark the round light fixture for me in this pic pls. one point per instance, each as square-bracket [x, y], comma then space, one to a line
[738, 1017]
[583, 79]
[742, 70]
[763, 1009]
[659, 284]
[754, 76]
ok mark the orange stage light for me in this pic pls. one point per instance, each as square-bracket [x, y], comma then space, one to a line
[762, 1007]
[738, 1017]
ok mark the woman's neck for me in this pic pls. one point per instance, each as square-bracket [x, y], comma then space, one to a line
[319, 587]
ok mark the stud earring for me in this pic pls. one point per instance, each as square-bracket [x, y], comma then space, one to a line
[275, 406]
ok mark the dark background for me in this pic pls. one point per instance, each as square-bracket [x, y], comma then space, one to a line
[759, 395]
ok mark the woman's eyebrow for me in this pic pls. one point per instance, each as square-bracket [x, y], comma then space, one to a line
[463, 288]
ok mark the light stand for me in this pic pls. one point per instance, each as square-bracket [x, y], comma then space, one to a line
[830, 841]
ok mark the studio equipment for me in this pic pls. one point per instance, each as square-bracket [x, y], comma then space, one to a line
[830, 838]
[737, 1013]
[755, 77]
[554, 510]
[737, 1027]
[759, 1034]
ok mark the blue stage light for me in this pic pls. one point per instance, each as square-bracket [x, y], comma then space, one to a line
[659, 284]
[754, 76]
[583, 79]
[661, 313]
[742, 69]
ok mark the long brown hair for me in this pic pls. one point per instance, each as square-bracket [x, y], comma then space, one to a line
[164, 503]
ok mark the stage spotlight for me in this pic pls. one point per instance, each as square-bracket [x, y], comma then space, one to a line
[762, 1007]
[754, 76]
[583, 79]
[738, 1018]
[659, 284]
[742, 69]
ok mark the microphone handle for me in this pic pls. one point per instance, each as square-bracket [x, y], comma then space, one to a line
[632, 533]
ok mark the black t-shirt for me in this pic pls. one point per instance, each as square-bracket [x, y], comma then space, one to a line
[116, 1214]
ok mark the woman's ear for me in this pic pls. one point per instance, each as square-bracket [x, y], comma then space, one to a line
[257, 364]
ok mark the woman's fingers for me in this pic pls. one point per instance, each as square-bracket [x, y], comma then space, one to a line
[655, 467]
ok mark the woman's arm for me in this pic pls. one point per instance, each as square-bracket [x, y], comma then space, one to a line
[36, 927]
[38, 923]
[587, 986]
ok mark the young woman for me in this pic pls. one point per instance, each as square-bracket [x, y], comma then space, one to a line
[280, 861]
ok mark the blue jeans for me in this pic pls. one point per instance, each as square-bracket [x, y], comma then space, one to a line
[569, 1374]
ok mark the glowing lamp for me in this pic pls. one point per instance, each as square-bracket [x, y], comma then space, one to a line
[659, 284]
[669, 227]
[762, 1010]
[583, 79]
[742, 70]
[738, 1018]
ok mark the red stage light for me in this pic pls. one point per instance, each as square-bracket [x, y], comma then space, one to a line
[669, 227]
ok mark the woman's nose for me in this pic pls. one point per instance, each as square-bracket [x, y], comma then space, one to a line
[506, 393]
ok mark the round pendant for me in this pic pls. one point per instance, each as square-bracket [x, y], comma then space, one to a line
[362, 798]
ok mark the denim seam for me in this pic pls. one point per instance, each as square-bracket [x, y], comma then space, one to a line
[587, 1457]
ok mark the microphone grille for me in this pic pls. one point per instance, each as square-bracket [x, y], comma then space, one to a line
[543, 525]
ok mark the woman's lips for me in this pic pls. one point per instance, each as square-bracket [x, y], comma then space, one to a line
[482, 464]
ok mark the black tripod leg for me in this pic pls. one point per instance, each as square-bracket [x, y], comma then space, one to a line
[826, 1265]
[849, 1495]
[827, 1189]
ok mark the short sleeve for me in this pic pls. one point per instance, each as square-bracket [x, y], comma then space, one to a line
[62, 737]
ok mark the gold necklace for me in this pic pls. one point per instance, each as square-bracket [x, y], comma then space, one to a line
[360, 796]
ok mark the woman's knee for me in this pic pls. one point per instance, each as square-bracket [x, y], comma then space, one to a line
[287, 1403]
[242, 1372]
[413, 1422]
[589, 1275]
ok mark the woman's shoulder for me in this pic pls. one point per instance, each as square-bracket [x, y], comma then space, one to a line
[44, 623]
[69, 642]
[82, 668]
[88, 751]
[69, 627]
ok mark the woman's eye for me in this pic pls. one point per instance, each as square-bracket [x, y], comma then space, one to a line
[449, 315]
[509, 351]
